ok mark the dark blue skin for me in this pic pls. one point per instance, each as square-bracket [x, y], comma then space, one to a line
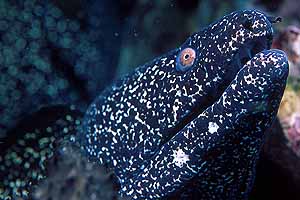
[128, 124]
[156, 89]
[220, 147]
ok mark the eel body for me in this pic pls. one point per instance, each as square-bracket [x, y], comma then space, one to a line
[153, 130]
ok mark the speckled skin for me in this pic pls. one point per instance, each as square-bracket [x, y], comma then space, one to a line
[129, 126]
[220, 147]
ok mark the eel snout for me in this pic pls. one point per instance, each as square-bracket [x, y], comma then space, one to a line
[259, 85]
[275, 65]
[264, 76]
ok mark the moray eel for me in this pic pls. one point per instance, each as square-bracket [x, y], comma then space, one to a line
[151, 126]
[169, 130]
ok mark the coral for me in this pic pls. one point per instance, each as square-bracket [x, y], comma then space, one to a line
[288, 40]
[289, 105]
[48, 57]
[78, 178]
[42, 160]
[25, 152]
[278, 175]
[293, 134]
[93, 51]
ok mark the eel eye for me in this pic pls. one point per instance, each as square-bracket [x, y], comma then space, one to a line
[186, 59]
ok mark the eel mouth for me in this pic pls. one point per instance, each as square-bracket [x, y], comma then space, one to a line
[244, 54]
[249, 50]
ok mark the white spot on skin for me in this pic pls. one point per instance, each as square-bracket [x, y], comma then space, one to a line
[176, 108]
[233, 86]
[212, 127]
[250, 79]
[180, 157]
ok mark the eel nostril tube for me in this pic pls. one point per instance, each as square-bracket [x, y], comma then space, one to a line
[274, 20]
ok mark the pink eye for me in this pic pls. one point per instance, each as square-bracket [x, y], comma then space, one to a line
[186, 59]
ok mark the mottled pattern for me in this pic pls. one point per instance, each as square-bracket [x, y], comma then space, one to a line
[131, 122]
[221, 145]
